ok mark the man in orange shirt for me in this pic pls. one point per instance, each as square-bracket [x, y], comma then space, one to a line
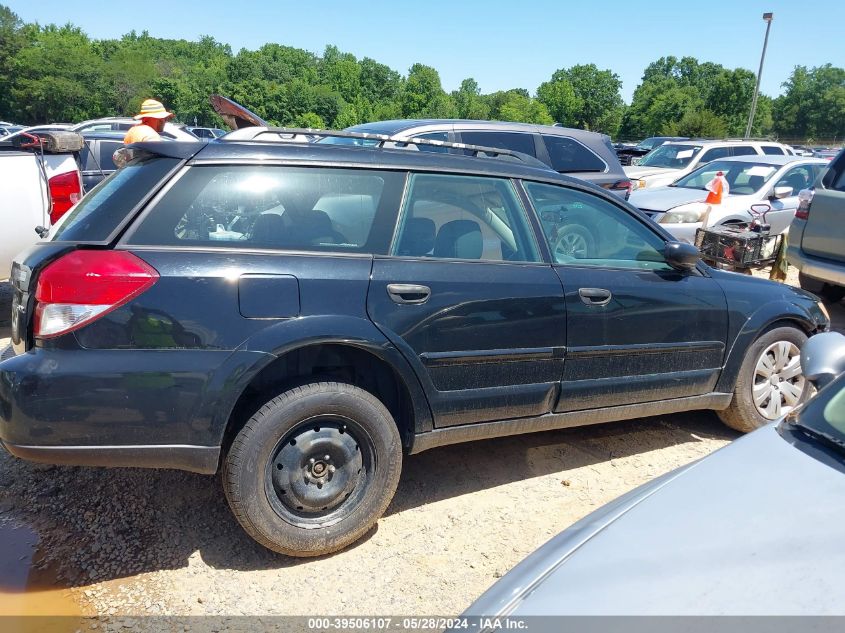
[153, 117]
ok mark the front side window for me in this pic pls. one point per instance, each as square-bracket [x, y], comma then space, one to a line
[585, 230]
[464, 217]
[568, 155]
[275, 207]
[671, 156]
[714, 154]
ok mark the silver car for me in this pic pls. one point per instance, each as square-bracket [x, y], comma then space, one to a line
[753, 529]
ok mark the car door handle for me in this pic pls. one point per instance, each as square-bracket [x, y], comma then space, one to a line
[408, 293]
[595, 296]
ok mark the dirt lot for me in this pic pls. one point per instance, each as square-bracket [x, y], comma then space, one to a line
[117, 542]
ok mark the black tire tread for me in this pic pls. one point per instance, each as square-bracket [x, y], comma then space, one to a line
[241, 449]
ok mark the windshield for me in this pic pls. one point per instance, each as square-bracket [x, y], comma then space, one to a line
[671, 156]
[825, 414]
[649, 143]
[743, 178]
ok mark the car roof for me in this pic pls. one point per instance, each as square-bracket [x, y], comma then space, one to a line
[771, 159]
[400, 125]
[218, 151]
[704, 141]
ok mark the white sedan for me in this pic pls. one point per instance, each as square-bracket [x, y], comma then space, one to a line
[775, 180]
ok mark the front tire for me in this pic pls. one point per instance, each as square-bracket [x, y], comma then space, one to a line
[770, 382]
[313, 470]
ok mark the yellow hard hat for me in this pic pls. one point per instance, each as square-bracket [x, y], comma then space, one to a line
[152, 109]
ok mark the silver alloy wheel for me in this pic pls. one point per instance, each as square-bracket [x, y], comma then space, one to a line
[572, 245]
[778, 381]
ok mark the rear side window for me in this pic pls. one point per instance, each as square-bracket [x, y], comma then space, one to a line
[285, 208]
[568, 155]
[514, 141]
[464, 217]
[100, 212]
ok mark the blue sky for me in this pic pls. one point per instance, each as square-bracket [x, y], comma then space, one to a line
[502, 44]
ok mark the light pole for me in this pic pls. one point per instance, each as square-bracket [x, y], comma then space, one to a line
[768, 18]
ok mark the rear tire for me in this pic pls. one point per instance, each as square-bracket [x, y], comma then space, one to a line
[770, 383]
[313, 470]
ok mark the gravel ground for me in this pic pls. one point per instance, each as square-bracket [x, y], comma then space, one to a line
[133, 542]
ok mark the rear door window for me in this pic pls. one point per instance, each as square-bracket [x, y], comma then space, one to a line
[276, 207]
[744, 150]
[568, 155]
[772, 150]
[514, 141]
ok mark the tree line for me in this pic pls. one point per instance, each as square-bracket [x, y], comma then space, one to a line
[58, 74]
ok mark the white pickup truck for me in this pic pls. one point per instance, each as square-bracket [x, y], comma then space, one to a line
[39, 181]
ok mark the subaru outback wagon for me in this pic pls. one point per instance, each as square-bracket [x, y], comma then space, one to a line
[300, 315]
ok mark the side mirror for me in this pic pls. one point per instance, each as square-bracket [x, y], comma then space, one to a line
[781, 192]
[823, 358]
[681, 255]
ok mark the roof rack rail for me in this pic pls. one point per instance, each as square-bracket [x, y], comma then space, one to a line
[300, 135]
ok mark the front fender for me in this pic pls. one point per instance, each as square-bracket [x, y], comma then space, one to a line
[274, 341]
[804, 314]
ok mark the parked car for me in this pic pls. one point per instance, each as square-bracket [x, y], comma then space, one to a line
[298, 314]
[5, 130]
[172, 131]
[826, 153]
[773, 180]
[726, 535]
[674, 159]
[36, 187]
[817, 234]
[96, 156]
[627, 155]
[207, 133]
[585, 155]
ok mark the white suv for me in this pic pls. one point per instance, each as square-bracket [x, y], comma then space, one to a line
[670, 161]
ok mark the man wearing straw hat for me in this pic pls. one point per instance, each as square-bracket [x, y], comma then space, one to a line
[152, 119]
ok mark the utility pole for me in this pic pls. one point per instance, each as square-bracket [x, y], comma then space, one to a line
[768, 19]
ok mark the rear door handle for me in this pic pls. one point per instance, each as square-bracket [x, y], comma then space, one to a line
[408, 293]
[595, 296]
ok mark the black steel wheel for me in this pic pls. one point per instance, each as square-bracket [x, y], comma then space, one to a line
[313, 470]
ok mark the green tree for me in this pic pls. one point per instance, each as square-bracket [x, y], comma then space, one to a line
[514, 105]
[697, 124]
[469, 102]
[421, 93]
[813, 104]
[597, 104]
[561, 101]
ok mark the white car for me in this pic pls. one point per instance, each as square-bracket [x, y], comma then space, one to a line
[172, 131]
[776, 180]
[670, 161]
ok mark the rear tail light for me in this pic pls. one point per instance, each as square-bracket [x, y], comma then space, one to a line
[83, 286]
[621, 185]
[805, 197]
[65, 191]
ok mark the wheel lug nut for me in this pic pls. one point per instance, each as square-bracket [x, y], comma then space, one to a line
[331, 469]
[327, 458]
[312, 460]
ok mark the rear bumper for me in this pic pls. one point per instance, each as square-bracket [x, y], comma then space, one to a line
[139, 408]
[822, 269]
[196, 459]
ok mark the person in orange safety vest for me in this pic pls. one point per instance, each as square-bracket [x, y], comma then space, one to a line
[152, 118]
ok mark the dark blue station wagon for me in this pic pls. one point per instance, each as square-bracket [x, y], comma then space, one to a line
[300, 315]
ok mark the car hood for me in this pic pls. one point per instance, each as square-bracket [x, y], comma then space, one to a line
[637, 171]
[665, 198]
[753, 529]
